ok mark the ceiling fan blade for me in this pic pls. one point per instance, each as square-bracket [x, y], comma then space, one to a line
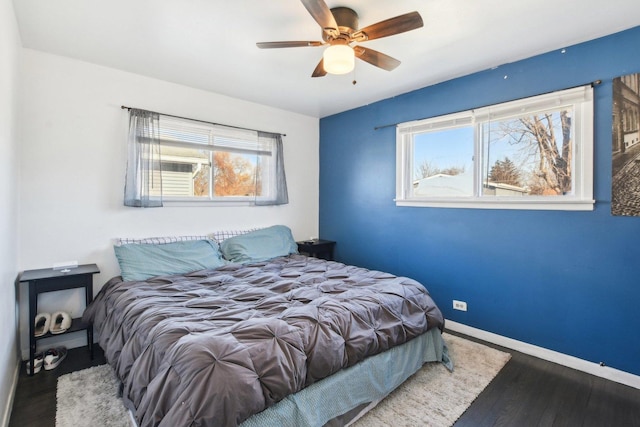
[319, 71]
[275, 45]
[322, 14]
[399, 24]
[376, 58]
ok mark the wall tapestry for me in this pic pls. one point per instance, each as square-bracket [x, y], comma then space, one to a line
[625, 165]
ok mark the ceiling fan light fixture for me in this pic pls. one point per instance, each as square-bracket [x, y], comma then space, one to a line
[340, 30]
[338, 59]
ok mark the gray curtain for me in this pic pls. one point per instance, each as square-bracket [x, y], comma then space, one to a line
[280, 184]
[143, 184]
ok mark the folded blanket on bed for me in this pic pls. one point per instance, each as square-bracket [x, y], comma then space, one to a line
[214, 347]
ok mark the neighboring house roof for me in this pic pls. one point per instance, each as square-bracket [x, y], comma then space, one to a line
[443, 185]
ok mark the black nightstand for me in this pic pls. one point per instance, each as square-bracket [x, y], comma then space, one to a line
[317, 248]
[49, 280]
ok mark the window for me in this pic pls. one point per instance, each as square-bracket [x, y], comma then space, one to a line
[173, 159]
[534, 153]
[200, 161]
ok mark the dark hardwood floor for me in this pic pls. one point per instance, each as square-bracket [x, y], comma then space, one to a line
[527, 392]
[533, 392]
[34, 403]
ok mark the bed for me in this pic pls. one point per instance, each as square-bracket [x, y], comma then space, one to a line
[264, 337]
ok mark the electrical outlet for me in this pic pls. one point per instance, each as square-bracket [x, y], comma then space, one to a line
[459, 305]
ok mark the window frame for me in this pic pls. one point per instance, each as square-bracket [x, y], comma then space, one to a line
[581, 198]
[214, 131]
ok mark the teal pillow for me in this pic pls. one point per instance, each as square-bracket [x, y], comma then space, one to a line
[260, 245]
[141, 261]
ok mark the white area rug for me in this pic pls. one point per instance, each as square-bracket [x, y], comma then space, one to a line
[90, 398]
[435, 397]
[432, 397]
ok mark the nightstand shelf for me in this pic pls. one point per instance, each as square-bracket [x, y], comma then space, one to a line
[49, 280]
[318, 248]
[76, 325]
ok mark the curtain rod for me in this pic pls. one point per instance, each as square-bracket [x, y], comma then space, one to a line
[592, 84]
[202, 121]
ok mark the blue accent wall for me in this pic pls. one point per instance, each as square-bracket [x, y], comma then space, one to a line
[565, 281]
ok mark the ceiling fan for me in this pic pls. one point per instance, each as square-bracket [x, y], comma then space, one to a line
[340, 30]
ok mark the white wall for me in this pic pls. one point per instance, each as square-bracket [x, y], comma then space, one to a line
[74, 153]
[9, 66]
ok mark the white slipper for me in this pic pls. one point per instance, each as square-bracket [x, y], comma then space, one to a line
[41, 324]
[60, 322]
[38, 361]
[53, 357]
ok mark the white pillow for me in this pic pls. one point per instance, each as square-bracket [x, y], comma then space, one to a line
[157, 240]
[221, 236]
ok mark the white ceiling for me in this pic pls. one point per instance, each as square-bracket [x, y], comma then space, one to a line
[210, 44]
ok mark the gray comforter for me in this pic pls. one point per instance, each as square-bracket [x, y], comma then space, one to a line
[214, 347]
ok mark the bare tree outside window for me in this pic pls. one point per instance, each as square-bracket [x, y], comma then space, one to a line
[536, 150]
[427, 169]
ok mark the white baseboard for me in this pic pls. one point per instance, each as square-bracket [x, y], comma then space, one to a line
[6, 417]
[606, 372]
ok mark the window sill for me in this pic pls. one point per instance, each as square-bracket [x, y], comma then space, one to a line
[565, 205]
[203, 203]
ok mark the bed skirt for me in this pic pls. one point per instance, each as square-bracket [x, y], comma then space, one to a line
[341, 398]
